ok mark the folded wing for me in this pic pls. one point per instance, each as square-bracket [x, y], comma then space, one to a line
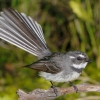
[45, 65]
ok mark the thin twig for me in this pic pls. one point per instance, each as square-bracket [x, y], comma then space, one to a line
[39, 94]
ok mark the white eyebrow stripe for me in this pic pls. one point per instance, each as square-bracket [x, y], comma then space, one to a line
[71, 57]
[81, 55]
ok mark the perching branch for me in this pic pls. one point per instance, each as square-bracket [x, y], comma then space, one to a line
[40, 94]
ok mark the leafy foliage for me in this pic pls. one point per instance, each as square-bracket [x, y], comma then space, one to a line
[67, 25]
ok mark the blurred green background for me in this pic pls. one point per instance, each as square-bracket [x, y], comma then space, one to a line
[67, 25]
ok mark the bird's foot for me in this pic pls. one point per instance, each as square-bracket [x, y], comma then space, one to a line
[54, 88]
[75, 87]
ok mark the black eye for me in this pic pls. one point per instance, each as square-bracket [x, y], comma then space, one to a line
[79, 58]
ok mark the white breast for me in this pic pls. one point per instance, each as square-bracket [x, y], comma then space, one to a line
[60, 77]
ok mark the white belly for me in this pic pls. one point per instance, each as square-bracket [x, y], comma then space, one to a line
[60, 77]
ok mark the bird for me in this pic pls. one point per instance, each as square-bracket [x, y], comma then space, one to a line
[24, 32]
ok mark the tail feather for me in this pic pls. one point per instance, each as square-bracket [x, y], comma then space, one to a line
[15, 37]
[16, 31]
[7, 36]
[17, 44]
[27, 33]
[23, 32]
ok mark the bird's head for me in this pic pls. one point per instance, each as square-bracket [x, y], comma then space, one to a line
[78, 59]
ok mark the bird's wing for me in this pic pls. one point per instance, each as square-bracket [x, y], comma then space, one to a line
[45, 65]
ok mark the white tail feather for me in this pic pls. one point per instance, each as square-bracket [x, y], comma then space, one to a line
[23, 32]
[17, 44]
[12, 30]
[13, 25]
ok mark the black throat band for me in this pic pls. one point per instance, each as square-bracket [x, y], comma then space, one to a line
[79, 70]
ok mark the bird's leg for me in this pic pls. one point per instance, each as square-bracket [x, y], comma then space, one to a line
[55, 90]
[75, 88]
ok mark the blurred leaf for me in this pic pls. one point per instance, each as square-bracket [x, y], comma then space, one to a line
[80, 11]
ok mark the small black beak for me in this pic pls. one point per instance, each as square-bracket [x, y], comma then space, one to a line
[89, 61]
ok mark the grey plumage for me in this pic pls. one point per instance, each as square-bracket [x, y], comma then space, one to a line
[27, 34]
[67, 72]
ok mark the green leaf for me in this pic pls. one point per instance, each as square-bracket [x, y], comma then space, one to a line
[80, 11]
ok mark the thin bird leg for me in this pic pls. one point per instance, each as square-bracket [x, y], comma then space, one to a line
[75, 87]
[55, 90]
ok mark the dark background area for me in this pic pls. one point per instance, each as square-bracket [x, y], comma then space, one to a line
[67, 25]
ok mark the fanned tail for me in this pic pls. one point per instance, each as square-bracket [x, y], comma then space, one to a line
[23, 32]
